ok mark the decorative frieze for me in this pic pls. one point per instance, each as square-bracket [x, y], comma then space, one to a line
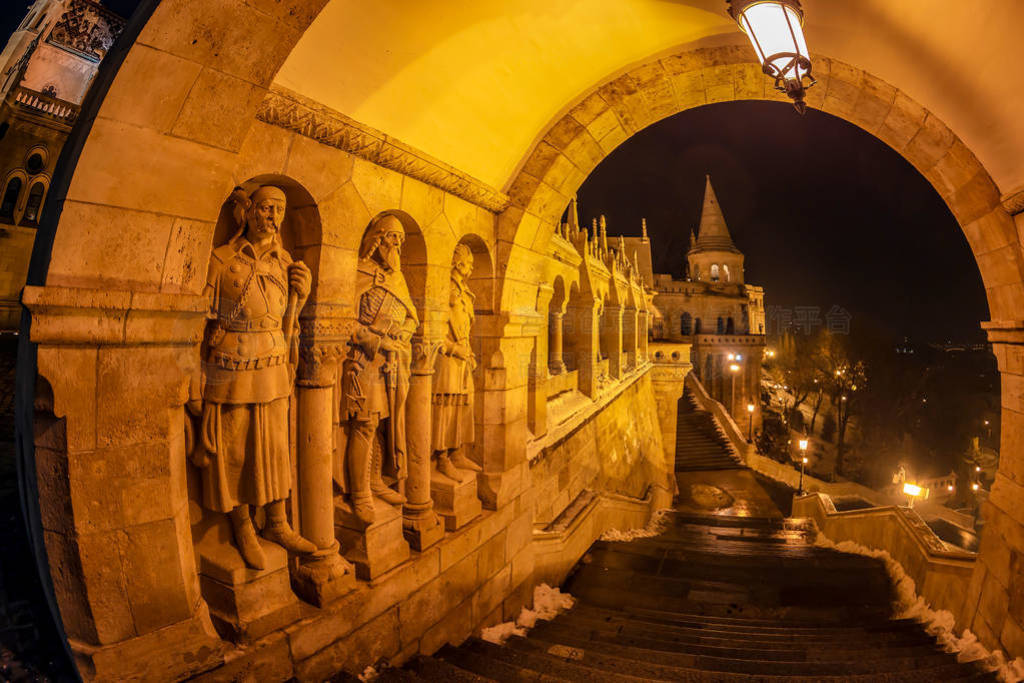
[291, 111]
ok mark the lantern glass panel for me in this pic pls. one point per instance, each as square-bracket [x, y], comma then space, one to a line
[772, 27]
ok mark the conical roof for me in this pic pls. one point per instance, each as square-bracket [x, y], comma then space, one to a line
[713, 234]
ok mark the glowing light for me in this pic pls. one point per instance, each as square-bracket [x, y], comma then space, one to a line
[750, 407]
[734, 367]
[912, 489]
[974, 487]
[805, 461]
[803, 446]
[775, 29]
[950, 488]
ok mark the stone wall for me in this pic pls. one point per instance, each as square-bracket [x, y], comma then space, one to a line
[15, 250]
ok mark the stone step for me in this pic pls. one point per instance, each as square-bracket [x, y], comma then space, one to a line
[435, 669]
[487, 667]
[830, 649]
[710, 633]
[605, 661]
[559, 668]
[939, 665]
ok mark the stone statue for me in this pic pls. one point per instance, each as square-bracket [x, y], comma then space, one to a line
[242, 447]
[453, 377]
[375, 375]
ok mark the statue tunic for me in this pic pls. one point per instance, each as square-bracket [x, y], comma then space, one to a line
[453, 376]
[247, 380]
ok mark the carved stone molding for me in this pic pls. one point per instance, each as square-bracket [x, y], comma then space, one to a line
[1013, 201]
[71, 315]
[289, 110]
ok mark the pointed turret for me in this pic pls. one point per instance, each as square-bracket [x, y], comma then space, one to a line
[713, 234]
[604, 235]
[643, 229]
[574, 216]
[712, 256]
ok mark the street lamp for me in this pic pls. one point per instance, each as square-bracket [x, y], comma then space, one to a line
[803, 463]
[750, 423]
[914, 491]
[775, 29]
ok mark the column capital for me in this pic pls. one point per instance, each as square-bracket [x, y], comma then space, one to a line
[424, 355]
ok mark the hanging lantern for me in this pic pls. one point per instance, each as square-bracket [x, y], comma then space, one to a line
[775, 29]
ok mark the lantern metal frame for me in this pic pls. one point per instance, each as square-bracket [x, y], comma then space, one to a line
[788, 79]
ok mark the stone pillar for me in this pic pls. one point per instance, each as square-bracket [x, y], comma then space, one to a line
[503, 385]
[420, 523]
[994, 606]
[611, 325]
[539, 361]
[587, 346]
[643, 336]
[325, 575]
[629, 338]
[668, 381]
[555, 363]
[110, 460]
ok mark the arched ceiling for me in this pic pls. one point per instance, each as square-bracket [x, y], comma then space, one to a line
[475, 82]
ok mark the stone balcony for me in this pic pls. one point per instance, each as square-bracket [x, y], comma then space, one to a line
[40, 104]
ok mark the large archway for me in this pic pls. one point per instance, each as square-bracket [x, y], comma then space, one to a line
[124, 240]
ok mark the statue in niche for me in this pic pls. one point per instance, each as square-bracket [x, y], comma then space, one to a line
[453, 377]
[256, 291]
[375, 375]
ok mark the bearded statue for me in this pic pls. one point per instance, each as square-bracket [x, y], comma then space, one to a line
[453, 377]
[256, 291]
[375, 374]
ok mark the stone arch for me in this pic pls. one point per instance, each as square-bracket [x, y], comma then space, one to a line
[576, 142]
[481, 282]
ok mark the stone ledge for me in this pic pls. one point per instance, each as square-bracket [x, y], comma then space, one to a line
[72, 315]
[1004, 331]
[289, 110]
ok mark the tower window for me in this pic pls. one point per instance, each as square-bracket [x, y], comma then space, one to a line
[34, 204]
[714, 272]
[34, 164]
[10, 200]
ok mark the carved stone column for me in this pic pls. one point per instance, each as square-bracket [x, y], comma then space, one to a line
[643, 321]
[325, 575]
[629, 338]
[555, 363]
[611, 325]
[420, 523]
[586, 346]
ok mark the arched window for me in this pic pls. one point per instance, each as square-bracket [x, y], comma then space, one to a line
[697, 326]
[730, 326]
[714, 272]
[686, 325]
[10, 200]
[725, 269]
[720, 329]
[34, 205]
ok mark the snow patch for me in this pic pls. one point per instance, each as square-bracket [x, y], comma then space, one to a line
[654, 528]
[937, 623]
[548, 603]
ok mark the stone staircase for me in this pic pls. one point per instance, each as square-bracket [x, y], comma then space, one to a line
[700, 444]
[712, 599]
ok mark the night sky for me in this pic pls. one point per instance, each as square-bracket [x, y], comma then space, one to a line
[825, 213]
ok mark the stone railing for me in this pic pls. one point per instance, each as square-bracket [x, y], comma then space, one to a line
[39, 103]
[941, 574]
[732, 431]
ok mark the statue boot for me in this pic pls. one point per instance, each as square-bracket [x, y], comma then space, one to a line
[245, 538]
[459, 459]
[280, 532]
[359, 478]
[448, 469]
[377, 485]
